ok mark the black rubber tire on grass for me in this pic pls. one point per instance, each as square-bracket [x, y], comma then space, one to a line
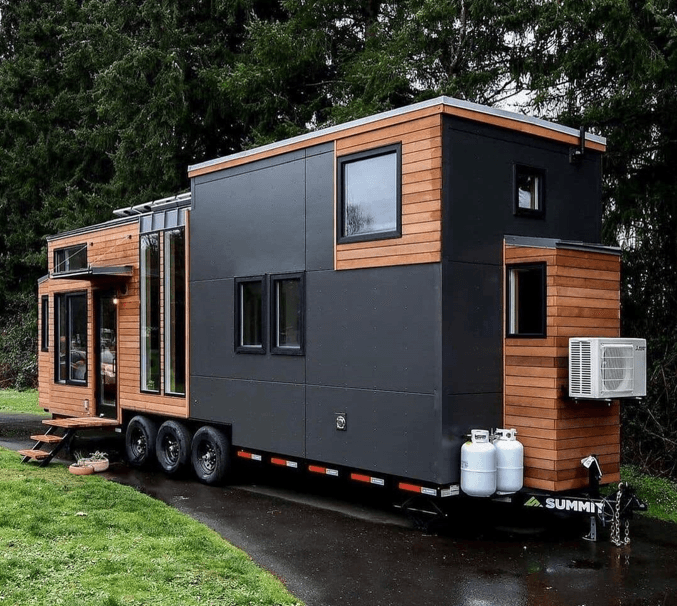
[140, 441]
[210, 455]
[172, 446]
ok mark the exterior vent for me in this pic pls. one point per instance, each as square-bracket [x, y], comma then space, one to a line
[602, 369]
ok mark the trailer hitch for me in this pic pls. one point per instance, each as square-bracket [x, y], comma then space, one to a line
[618, 510]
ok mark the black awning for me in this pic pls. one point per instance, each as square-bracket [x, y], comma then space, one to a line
[91, 273]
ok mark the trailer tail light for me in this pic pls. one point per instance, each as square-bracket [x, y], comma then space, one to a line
[324, 470]
[367, 479]
[284, 462]
[249, 455]
[432, 492]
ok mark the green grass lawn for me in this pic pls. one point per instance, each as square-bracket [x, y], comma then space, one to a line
[87, 541]
[20, 401]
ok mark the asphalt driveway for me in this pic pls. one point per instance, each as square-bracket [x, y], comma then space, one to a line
[337, 544]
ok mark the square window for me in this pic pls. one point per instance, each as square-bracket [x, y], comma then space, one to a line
[529, 188]
[369, 194]
[249, 323]
[526, 300]
[287, 314]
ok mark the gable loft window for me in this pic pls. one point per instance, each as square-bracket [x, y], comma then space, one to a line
[175, 311]
[44, 323]
[526, 304]
[70, 331]
[150, 312]
[249, 318]
[529, 191]
[72, 258]
[287, 314]
[369, 195]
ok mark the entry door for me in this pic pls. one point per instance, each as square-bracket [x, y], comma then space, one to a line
[107, 356]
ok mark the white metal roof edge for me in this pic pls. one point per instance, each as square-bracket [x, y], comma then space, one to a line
[447, 101]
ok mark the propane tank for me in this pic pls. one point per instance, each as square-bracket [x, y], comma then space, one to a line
[478, 465]
[509, 461]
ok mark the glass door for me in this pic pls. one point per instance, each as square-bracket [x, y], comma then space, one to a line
[107, 366]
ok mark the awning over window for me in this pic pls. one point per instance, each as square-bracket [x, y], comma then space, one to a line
[92, 273]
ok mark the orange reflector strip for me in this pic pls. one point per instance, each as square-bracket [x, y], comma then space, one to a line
[283, 462]
[317, 469]
[248, 455]
[368, 479]
[409, 487]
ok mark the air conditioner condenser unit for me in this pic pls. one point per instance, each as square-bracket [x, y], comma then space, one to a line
[605, 368]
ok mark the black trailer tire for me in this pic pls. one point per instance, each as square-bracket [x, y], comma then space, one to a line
[140, 441]
[210, 455]
[172, 446]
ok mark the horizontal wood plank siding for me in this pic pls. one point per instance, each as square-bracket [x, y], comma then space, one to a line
[583, 299]
[421, 240]
[109, 246]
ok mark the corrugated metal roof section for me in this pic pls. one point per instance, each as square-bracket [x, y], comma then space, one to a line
[448, 105]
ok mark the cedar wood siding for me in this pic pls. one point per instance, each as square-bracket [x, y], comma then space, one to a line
[115, 245]
[583, 300]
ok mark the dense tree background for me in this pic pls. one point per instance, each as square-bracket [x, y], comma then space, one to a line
[105, 103]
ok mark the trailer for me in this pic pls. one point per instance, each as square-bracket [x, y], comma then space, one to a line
[353, 302]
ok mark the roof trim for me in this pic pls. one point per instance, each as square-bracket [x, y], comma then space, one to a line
[534, 242]
[92, 228]
[447, 105]
[104, 271]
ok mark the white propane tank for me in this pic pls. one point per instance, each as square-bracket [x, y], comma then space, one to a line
[509, 461]
[478, 465]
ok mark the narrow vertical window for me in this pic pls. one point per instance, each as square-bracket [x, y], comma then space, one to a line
[44, 323]
[526, 304]
[70, 332]
[529, 191]
[287, 314]
[175, 312]
[249, 304]
[150, 312]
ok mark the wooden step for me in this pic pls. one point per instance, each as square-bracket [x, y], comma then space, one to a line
[47, 439]
[34, 454]
[81, 423]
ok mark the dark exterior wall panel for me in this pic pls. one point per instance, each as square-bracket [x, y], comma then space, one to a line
[250, 224]
[264, 416]
[320, 212]
[212, 341]
[386, 432]
[375, 328]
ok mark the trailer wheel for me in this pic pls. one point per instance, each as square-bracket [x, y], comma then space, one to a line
[172, 446]
[210, 455]
[140, 441]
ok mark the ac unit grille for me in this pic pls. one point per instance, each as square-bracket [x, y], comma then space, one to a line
[580, 368]
[617, 368]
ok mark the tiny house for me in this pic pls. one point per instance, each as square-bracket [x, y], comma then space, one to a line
[350, 302]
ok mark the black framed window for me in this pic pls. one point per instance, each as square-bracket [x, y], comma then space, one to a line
[287, 314]
[44, 323]
[175, 311]
[370, 195]
[529, 191]
[70, 331]
[526, 300]
[150, 312]
[250, 299]
[72, 258]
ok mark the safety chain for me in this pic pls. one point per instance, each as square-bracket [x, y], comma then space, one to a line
[616, 523]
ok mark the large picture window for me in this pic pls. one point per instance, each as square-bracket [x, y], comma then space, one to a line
[526, 300]
[175, 312]
[287, 314]
[369, 195]
[249, 318]
[150, 312]
[70, 332]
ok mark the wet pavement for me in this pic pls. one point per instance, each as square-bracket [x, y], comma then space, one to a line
[335, 544]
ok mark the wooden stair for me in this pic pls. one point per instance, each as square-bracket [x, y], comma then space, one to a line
[69, 426]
